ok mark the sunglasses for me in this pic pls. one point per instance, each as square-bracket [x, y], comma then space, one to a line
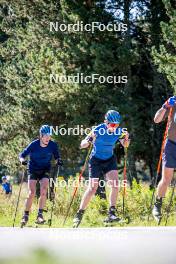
[113, 125]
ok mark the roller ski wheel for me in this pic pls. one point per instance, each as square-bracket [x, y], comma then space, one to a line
[49, 222]
[127, 220]
[22, 224]
[158, 218]
[76, 224]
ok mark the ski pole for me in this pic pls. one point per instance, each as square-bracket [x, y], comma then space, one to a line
[170, 203]
[130, 175]
[124, 179]
[160, 160]
[53, 198]
[19, 194]
[76, 188]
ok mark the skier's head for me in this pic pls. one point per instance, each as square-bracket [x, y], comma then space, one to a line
[45, 134]
[4, 178]
[112, 119]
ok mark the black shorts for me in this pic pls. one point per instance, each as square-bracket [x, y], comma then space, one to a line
[98, 167]
[38, 175]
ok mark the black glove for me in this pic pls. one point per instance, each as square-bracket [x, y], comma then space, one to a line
[24, 162]
[60, 162]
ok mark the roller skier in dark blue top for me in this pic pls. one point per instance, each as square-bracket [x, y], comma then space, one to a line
[40, 152]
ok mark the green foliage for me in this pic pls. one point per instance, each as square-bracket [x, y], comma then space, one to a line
[166, 57]
[137, 207]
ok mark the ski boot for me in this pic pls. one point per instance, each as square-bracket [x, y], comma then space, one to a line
[156, 212]
[112, 218]
[77, 219]
[24, 220]
[40, 220]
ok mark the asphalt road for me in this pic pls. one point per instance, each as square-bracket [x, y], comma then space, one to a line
[155, 245]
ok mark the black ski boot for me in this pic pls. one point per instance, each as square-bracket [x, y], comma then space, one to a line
[24, 220]
[78, 217]
[156, 212]
[112, 216]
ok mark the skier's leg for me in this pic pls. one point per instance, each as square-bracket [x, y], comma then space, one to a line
[168, 165]
[29, 200]
[167, 174]
[43, 192]
[91, 190]
[44, 182]
[31, 195]
[95, 171]
[112, 182]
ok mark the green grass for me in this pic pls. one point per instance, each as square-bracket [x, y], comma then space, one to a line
[137, 204]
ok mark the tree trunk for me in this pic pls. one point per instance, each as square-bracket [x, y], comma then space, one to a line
[128, 88]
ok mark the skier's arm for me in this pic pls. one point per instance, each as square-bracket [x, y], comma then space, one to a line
[161, 115]
[163, 112]
[24, 154]
[85, 143]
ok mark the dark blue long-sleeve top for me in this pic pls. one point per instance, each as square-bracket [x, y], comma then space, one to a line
[40, 157]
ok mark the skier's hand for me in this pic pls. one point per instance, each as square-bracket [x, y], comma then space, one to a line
[84, 144]
[60, 162]
[23, 161]
[126, 140]
[170, 102]
[89, 139]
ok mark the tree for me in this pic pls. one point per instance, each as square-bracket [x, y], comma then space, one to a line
[165, 58]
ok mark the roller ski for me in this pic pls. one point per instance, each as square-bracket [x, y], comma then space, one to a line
[24, 220]
[110, 221]
[156, 212]
[78, 218]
